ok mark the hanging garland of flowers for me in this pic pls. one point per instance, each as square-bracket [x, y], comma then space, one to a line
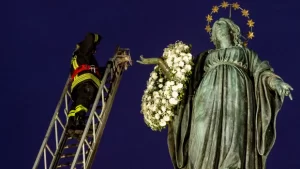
[162, 94]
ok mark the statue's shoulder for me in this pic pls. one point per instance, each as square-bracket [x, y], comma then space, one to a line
[249, 51]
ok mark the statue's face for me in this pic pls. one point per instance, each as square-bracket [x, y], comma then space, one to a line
[222, 30]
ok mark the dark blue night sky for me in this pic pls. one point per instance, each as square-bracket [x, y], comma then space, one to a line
[40, 36]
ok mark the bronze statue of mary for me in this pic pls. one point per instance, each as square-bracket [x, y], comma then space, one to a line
[227, 119]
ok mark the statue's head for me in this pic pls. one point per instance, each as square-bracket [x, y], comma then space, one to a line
[225, 29]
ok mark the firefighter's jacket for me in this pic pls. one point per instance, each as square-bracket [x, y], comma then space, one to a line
[84, 66]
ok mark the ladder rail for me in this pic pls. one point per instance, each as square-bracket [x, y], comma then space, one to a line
[59, 150]
[49, 130]
[99, 93]
[63, 138]
[105, 115]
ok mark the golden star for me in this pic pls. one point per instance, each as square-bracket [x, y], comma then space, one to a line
[235, 6]
[209, 18]
[245, 44]
[224, 4]
[215, 9]
[250, 35]
[245, 13]
[208, 28]
[250, 23]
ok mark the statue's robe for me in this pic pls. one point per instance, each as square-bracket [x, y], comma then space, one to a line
[227, 119]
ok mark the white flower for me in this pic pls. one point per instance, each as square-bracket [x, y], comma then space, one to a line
[162, 123]
[160, 85]
[169, 112]
[166, 92]
[161, 80]
[163, 108]
[179, 75]
[151, 83]
[169, 63]
[174, 88]
[159, 112]
[168, 83]
[188, 67]
[186, 59]
[163, 101]
[165, 88]
[150, 87]
[186, 47]
[172, 56]
[154, 75]
[181, 63]
[157, 116]
[173, 101]
[153, 108]
[176, 60]
[155, 94]
[179, 85]
[174, 94]
[181, 46]
[166, 118]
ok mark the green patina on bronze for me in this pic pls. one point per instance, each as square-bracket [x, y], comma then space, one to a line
[228, 117]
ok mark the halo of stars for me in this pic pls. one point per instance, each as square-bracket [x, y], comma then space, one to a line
[235, 6]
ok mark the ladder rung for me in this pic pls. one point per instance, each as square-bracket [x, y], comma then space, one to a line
[78, 136]
[68, 164]
[71, 146]
[89, 134]
[70, 155]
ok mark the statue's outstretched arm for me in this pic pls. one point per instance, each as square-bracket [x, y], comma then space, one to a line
[157, 61]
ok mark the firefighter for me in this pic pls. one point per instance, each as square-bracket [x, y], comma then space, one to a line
[85, 74]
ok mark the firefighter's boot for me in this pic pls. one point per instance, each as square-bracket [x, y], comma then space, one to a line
[71, 126]
[80, 122]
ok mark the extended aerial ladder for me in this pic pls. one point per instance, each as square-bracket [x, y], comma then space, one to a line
[78, 151]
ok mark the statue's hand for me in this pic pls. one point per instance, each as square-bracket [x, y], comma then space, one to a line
[148, 61]
[142, 61]
[283, 89]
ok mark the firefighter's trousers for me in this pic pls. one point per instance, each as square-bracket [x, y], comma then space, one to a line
[83, 95]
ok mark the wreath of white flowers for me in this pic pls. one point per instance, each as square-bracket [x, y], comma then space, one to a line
[162, 94]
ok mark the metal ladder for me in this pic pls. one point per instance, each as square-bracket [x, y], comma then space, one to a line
[79, 151]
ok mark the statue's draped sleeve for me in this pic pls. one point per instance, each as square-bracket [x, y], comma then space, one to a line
[179, 129]
[268, 103]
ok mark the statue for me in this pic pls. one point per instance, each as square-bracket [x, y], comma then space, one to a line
[227, 119]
